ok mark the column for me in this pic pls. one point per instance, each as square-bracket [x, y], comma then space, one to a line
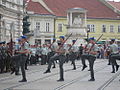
[85, 19]
[70, 18]
[42, 40]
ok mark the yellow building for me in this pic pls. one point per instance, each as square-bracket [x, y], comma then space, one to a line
[101, 19]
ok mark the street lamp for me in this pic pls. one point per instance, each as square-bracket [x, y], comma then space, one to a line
[88, 30]
[1, 26]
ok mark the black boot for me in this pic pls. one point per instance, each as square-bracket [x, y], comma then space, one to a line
[92, 79]
[84, 67]
[60, 80]
[23, 80]
[53, 67]
[47, 71]
[117, 67]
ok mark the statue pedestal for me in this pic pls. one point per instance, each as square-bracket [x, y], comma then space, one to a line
[77, 32]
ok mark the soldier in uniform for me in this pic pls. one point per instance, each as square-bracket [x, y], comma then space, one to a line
[80, 52]
[114, 55]
[44, 54]
[1, 58]
[60, 55]
[73, 54]
[53, 47]
[24, 51]
[90, 55]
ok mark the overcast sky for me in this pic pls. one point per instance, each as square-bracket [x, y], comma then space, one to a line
[115, 0]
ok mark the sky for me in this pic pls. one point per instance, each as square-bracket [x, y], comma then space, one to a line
[115, 0]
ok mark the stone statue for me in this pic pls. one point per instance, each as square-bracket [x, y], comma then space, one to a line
[77, 21]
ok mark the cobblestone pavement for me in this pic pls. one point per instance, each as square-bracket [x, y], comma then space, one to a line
[74, 79]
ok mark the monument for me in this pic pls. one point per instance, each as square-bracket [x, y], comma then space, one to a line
[76, 18]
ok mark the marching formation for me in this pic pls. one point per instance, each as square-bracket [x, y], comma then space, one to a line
[18, 55]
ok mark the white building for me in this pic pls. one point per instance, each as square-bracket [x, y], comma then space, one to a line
[42, 22]
[11, 15]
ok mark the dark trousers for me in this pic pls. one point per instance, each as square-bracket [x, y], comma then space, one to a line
[7, 63]
[23, 59]
[50, 54]
[91, 60]
[72, 58]
[113, 59]
[61, 59]
[2, 65]
[43, 59]
[16, 62]
[20, 60]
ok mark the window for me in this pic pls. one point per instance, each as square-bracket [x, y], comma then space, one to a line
[88, 26]
[47, 27]
[38, 26]
[13, 3]
[91, 27]
[4, 2]
[18, 1]
[119, 28]
[111, 28]
[103, 28]
[59, 27]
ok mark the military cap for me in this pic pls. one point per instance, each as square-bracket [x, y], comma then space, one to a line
[113, 40]
[62, 37]
[54, 39]
[73, 40]
[19, 39]
[23, 37]
[1, 42]
[92, 38]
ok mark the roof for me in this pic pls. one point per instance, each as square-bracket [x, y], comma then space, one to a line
[37, 8]
[115, 4]
[95, 8]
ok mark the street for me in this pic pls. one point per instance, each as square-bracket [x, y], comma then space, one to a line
[74, 79]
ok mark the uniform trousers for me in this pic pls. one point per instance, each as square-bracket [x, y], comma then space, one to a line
[20, 60]
[91, 60]
[72, 58]
[61, 59]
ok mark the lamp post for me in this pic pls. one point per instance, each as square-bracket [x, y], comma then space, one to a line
[1, 26]
[88, 30]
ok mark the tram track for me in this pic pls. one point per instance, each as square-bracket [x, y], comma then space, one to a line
[42, 78]
[9, 77]
[104, 85]
[77, 79]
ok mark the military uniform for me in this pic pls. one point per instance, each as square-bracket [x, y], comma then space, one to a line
[91, 57]
[16, 59]
[23, 56]
[114, 56]
[73, 55]
[44, 55]
[80, 51]
[2, 58]
[60, 55]
[53, 48]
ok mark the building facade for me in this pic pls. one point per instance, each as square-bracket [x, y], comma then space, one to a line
[11, 16]
[99, 20]
[42, 27]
